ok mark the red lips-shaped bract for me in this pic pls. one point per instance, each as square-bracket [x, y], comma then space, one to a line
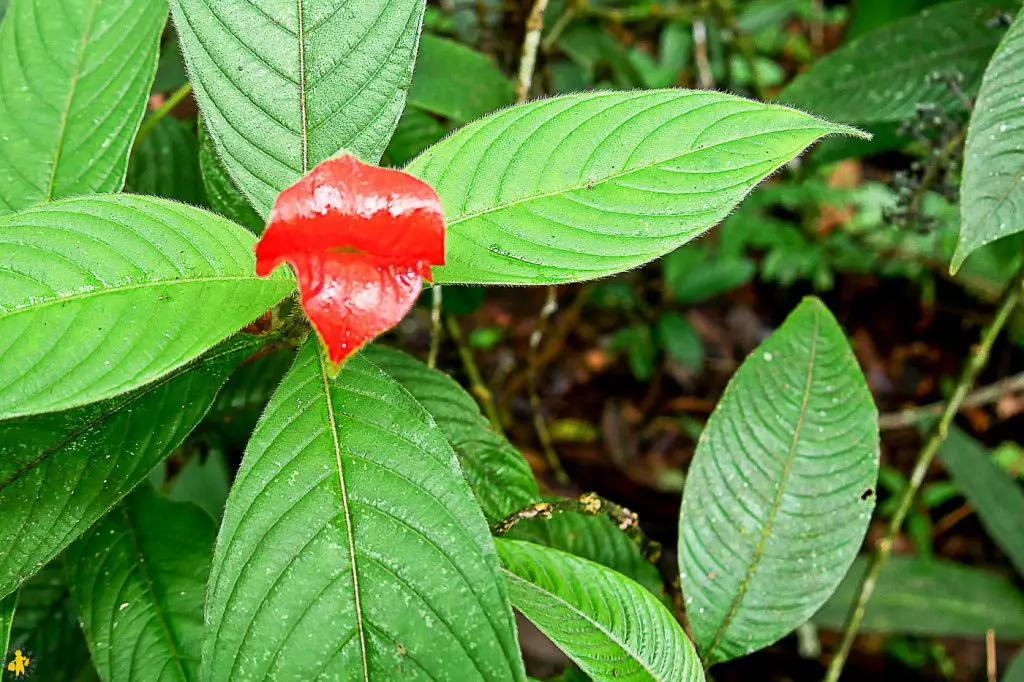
[361, 240]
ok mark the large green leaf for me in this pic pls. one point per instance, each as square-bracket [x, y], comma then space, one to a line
[7, 608]
[166, 163]
[992, 191]
[498, 474]
[138, 585]
[100, 295]
[585, 185]
[352, 547]
[457, 82]
[930, 597]
[72, 93]
[610, 626]
[47, 627]
[888, 73]
[224, 197]
[61, 472]
[781, 489]
[283, 84]
[994, 495]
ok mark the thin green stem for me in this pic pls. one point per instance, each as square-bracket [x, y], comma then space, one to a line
[435, 326]
[476, 383]
[973, 366]
[174, 100]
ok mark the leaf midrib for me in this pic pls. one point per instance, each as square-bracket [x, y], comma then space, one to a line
[776, 503]
[301, 36]
[596, 624]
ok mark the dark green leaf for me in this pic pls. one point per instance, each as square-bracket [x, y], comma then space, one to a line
[994, 496]
[351, 545]
[166, 163]
[781, 489]
[61, 472]
[204, 483]
[223, 195]
[1015, 671]
[887, 74]
[457, 82]
[586, 185]
[170, 70]
[694, 274]
[100, 295]
[138, 586]
[74, 89]
[610, 626]
[930, 597]
[416, 131]
[8, 605]
[284, 85]
[680, 340]
[992, 190]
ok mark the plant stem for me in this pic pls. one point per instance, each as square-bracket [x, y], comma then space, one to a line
[981, 396]
[589, 504]
[744, 43]
[975, 363]
[641, 13]
[174, 100]
[476, 382]
[531, 41]
[540, 425]
[435, 326]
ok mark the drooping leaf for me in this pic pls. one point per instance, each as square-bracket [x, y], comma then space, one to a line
[100, 295]
[224, 197]
[995, 497]
[8, 605]
[888, 73]
[61, 472]
[781, 489]
[351, 545]
[166, 163]
[46, 626]
[456, 82]
[73, 93]
[138, 586]
[284, 85]
[498, 474]
[992, 189]
[610, 626]
[585, 185]
[930, 597]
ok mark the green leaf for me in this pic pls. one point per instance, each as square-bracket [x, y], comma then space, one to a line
[992, 189]
[46, 626]
[7, 609]
[1015, 671]
[74, 92]
[416, 131]
[283, 85]
[781, 489]
[224, 197]
[166, 163]
[930, 597]
[888, 73]
[102, 294]
[994, 496]
[586, 185]
[138, 586]
[61, 472]
[610, 626]
[498, 474]
[681, 341]
[694, 274]
[351, 544]
[204, 483]
[457, 82]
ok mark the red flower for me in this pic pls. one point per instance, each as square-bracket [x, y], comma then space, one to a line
[361, 240]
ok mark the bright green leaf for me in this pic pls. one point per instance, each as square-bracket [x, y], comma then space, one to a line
[73, 92]
[224, 197]
[61, 472]
[994, 496]
[610, 626]
[100, 295]
[930, 597]
[7, 609]
[166, 163]
[138, 585]
[457, 82]
[992, 190]
[498, 474]
[888, 73]
[284, 85]
[586, 185]
[781, 489]
[351, 544]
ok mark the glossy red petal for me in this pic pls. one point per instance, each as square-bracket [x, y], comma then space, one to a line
[351, 298]
[346, 204]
